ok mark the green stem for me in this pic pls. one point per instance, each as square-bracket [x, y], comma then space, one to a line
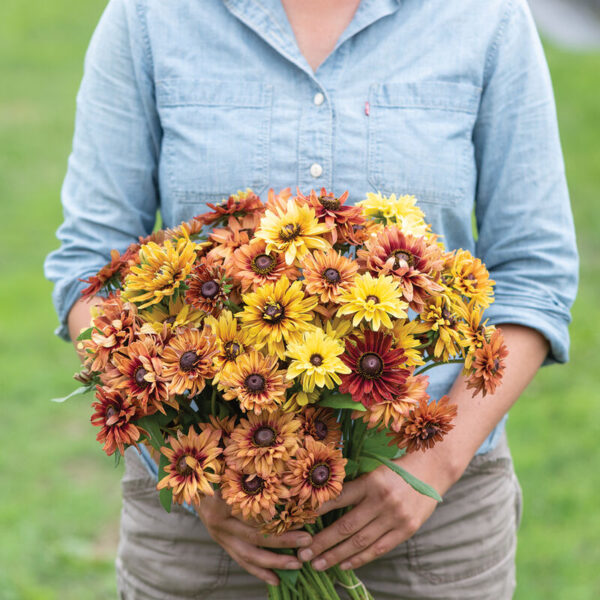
[322, 582]
[438, 364]
[308, 588]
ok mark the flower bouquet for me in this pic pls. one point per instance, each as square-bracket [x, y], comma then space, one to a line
[272, 351]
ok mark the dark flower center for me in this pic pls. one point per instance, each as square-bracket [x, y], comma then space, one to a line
[209, 289]
[332, 275]
[263, 437]
[273, 312]
[321, 430]
[110, 412]
[373, 299]
[289, 232]
[404, 255]
[316, 360]
[255, 382]
[320, 475]
[370, 365]
[232, 350]
[329, 202]
[429, 432]
[252, 484]
[182, 467]
[496, 365]
[448, 316]
[188, 360]
[470, 277]
[263, 264]
[139, 375]
[170, 320]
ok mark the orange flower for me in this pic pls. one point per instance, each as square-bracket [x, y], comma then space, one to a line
[291, 516]
[321, 424]
[193, 465]
[262, 443]
[328, 274]
[227, 240]
[207, 287]
[488, 365]
[104, 276]
[188, 360]
[316, 473]
[242, 203]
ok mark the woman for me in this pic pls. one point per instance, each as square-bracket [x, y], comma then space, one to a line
[185, 102]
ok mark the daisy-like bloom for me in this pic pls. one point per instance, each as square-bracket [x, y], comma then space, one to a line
[336, 328]
[392, 413]
[298, 400]
[293, 231]
[320, 423]
[225, 241]
[104, 276]
[315, 360]
[113, 413]
[240, 204]
[402, 211]
[377, 369]
[316, 473]
[442, 318]
[188, 360]
[414, 261]
[176, 314]
[292, 516]
[256, 383]
[231, 343]
[407, 336]
[252, 266]
[207, 287]
[332, 211]
[488, 365]
[277, 314]
[278, 202]
[262, 443]
[469, 277]
[115, 325]
[373, 299]
[328, 274]
[475, 333]
[225, 425]
[193, 465]
[254, 496]
[425, 425]
[160, 272]
[141, 378]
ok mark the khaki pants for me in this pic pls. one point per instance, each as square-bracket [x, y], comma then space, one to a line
[466, 549]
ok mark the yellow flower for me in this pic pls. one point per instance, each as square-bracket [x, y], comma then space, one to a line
[406, 336]
[315, 359]
[374, 300]
[231, 341]
[402, 211]
[298, 400]
[293, 231]
[160, 272]
[468, 276]
[177, 314]
[277, 314]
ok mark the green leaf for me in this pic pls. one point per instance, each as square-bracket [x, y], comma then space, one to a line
[166, 494]
[152, 426]
[414, 482]
[341, 401]
[351, 469]
[377, 443]
[86, 334]
[289, 578]
[84, 389]
[366, 465]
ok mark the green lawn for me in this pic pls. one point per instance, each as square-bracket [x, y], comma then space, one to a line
[60, 497]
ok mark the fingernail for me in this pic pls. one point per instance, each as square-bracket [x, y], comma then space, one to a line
[273, 581]
[292, 565]
[305, 555]
[319, 564]
[345, 566]
[304, 541]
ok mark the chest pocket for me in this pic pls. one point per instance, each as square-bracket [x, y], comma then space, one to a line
[420, 139]
[216, 138]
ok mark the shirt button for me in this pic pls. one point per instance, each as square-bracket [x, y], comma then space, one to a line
[316, 170]
[319, 99]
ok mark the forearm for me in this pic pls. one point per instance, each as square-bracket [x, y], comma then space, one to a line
[443, 464]
[79, 318]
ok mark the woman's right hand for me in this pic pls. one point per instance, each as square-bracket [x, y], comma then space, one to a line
[246, 544]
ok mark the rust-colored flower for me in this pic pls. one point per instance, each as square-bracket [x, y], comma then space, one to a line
[321, 424]
[113, 412]
[240, 204]
[188, 360]
[105, 275]
[252, 495]
[262, 443]
[252, 266]
[488, 365]
[328, 274]
[316, 473]
[207, 287]
[226, 240]
[193, 465]
[292, 516]
[256, 382]
[415, 261]
[425, 425]
[377, 368]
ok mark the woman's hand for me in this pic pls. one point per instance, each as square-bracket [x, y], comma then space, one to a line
[245, 543]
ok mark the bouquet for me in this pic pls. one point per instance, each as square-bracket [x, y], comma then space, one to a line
[272, 351]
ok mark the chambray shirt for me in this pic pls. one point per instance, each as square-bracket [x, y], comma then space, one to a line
[187, 101]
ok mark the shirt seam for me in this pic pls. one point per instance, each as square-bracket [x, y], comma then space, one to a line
[494, 48]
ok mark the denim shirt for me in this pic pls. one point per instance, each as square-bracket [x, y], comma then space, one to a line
[185, 102]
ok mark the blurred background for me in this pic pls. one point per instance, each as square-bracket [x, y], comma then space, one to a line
[59, 493]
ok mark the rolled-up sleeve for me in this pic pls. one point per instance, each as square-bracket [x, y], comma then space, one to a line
[109, 194]
[525, 225]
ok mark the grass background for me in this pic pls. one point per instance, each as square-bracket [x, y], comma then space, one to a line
[59, 494]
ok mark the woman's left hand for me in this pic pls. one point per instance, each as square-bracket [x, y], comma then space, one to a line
[386, 512]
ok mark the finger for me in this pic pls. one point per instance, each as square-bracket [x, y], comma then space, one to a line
[253, 536]
[384, 544]
[361, 541]
[352, 493]
[263, 558]
[345, 527]
[263, 574]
